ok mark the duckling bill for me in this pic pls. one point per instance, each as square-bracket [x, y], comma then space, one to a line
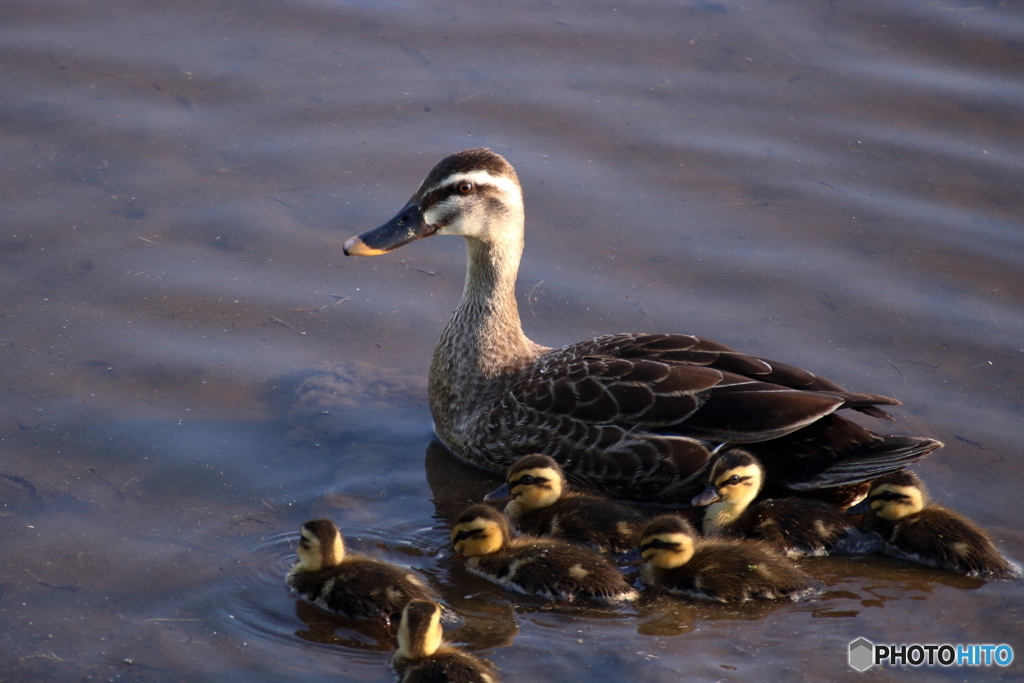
[929, 534]
[347, 584]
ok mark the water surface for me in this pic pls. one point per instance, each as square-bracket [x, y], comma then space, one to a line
[192, 368]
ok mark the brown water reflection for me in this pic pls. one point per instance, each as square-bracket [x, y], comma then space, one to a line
[832, 185]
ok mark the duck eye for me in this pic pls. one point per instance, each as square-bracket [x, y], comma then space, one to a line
[466, 187]
[734, 479]
[526, 479]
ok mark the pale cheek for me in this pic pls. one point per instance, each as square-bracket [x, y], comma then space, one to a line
[308, 559]
[456, 227]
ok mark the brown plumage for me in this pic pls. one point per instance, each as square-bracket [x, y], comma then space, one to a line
[792, 526]
[930, 534]
[423, 657]
[636, 414]
[547, 567]
[346, 584]
[542, 505]
[677, 561]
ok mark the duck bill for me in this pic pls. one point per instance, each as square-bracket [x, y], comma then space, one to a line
[630, 559]
[409, 225]
[861, 508]
[499, 495]
[709, 496]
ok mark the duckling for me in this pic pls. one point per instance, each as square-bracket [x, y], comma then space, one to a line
[930, 534]
[542, 506]
[423, 657]
[792, 526]
[349, 585]
[728, 571]
[547, 567]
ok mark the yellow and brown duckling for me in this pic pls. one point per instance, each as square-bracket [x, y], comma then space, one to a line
[929, 534]
[542, 505]
[424, 657]
[792, 526]
[547, 567]
[676, 560]
[346, 584]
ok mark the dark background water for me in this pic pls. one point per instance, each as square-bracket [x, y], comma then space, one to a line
[191, 368]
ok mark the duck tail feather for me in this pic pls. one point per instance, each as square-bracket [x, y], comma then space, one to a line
[891, 454]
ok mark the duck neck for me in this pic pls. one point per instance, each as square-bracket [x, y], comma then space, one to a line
[721, 514]
[514, 510]
[482, 343]
[484, 338]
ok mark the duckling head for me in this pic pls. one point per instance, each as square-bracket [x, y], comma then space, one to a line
[480, 530]
[534, 481]
[420, 632]
[667, 542]
[320, 545]
[735, 480]
[474, 193]
[893, 496]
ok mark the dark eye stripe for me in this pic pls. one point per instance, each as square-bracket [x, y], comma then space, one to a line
[528, 480]
[657, 543]
[889, 496]
[447, 190]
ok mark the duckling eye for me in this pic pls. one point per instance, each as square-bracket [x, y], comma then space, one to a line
[526, 479]
[466, 187]
[734, 479]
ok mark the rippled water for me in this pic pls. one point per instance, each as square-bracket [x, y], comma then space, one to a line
[835, 185]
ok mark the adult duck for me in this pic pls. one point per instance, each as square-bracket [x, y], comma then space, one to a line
[638, 415]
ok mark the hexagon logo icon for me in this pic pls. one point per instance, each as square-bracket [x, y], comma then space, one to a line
[862, 654]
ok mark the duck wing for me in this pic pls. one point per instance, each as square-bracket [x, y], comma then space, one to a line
[679, 384]
[643, 410]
